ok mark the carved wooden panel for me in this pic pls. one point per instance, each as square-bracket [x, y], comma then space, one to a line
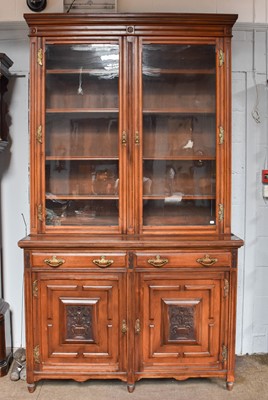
[182, 319]
[80, 321]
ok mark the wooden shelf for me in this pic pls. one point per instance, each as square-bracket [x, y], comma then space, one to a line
[81, 110]
[100, 72]
[184, 197]
[180, 111]
[178, 71]
[177, 221]
[181, 158]
[81, 197]
[80, 158]
[74, 71]
[87, 220]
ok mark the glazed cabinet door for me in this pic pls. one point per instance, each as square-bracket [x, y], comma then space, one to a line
[76, 135]
[181, 106]
[80, 323]
[127, 141]
[182, 322]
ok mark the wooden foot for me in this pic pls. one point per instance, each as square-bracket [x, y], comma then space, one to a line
[229, 386]
[31, 387]
[130, 387]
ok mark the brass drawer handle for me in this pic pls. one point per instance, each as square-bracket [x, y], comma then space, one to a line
[157, 262]
[54, 262]
[137, 326]
[103, 263]
[207, 261]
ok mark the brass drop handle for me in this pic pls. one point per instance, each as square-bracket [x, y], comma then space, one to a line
[157, 262]
[207, 261]
[102, 262]
[137, 326]
[124, 327]
[54, 262]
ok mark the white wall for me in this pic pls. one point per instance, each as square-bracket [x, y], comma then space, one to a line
[250, 213]
[14, 181]
[250, 149]
[248, 10]
[13, 10]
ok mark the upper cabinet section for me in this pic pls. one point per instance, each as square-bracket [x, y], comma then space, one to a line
[130, 123]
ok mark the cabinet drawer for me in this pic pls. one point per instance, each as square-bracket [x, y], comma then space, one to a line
[198, 259]
[58, 260]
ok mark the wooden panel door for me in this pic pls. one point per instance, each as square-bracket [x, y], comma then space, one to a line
[80, 322]
[182, 321]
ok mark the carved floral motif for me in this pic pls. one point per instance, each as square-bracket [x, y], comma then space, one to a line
[181, 323]
[79, 323]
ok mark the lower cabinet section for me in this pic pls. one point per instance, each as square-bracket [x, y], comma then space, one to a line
[120, 315]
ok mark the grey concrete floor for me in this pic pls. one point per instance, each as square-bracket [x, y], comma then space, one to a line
[251, 384]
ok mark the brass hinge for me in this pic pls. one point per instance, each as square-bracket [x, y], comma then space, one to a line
[36, 354]
[124, 138]
[221, 135]
[224, 353]
[137, 326]
[221, 212]
[39, 134]
[124, 327]
[40, 212]
[137, 138]
[226, 287]
[221, 57]
[40, 57]
[35, 288]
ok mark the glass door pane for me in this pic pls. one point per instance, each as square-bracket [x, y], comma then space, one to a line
[179, 122]
[82, 111]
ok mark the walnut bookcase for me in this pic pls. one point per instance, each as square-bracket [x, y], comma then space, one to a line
[130, 267]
